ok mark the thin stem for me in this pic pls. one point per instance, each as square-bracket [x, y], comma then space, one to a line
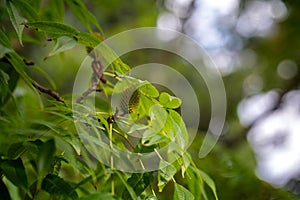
[111, 158]
[47, 91]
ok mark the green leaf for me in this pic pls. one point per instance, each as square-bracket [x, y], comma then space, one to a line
[4, 50]
[169, 101]
[87, 39]
[83, 14]
[209, 182]
[63, 43]
[45, 157]
[139, 182]
[118, 65]
[165, 174]
[55, 185]
[16, 20]
[179, 129]
[4, 40]
[99, 196]
[17, 62]
[202, 177]
[15, 150]
[60, 29]
[195, 184]
[26, 9]
[185, 164]
[45, 75]
[55, 28]
[4, 191]
[149, 90]
[58, 7]
[4, 89]
[181, 193]
[158, 117]
[128, 187]
[14, 171]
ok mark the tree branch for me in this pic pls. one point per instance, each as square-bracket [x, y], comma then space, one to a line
[47, 91]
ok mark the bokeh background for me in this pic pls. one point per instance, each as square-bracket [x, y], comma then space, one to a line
[256, 46]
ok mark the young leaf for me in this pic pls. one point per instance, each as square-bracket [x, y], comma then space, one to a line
[169, 101]
[63, 43]
[181, 193]
[16, 20]
[149, 90]
[15, 172]
[55, 28]
[55, 185]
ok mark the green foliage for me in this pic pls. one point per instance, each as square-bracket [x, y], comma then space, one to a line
[42, 155]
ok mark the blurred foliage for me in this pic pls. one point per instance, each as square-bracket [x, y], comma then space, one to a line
[42, 158]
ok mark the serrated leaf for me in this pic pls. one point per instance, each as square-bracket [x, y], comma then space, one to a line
[55, 185]
[26, 9]
[55, 28]
[181, 193]
[14, 171]
[83, 14]
[63, 43]
[99, 196]
[165, 174]
[16, 20]
[169, 101]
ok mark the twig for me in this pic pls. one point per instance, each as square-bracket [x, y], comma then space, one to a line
[97, 77]
[47, 91]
